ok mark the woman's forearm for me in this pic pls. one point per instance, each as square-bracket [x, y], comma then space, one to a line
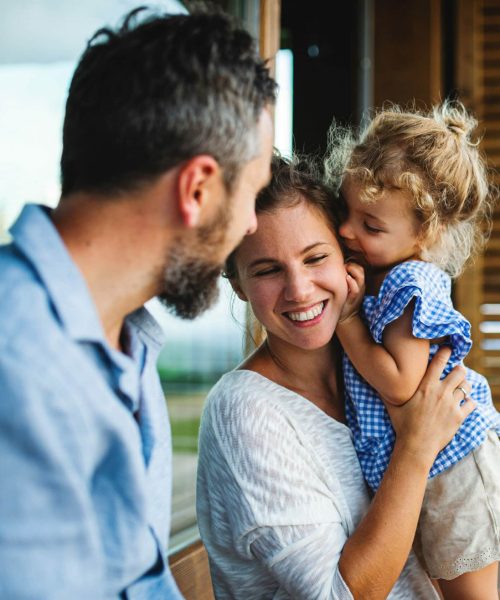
[374, 556]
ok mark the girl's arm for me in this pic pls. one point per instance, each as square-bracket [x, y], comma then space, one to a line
[393, 368]
[373, 557]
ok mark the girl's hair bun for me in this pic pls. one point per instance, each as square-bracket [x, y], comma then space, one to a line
[454, 116]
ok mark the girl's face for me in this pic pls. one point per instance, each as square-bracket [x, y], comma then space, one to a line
[292, 273]
[384, 232]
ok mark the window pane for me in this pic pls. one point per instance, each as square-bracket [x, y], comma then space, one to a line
[195, 355]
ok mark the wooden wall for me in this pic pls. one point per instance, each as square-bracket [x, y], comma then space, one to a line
[407, 52]
[486, 66]
[477, 75]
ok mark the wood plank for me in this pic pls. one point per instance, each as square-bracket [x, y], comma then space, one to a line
[191, 572]
[407, 63]
[468, 75]
[491, 297]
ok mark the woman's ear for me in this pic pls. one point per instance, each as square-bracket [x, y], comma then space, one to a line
[237, 290]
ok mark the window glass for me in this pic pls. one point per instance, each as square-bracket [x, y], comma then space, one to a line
[194, 357]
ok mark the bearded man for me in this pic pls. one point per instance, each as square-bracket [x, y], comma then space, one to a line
[167, 139]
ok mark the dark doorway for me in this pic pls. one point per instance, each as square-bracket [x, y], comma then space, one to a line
[323, 37]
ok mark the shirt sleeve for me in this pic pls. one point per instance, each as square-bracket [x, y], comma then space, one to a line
[433, 316]
[49, 540]
[283, 514]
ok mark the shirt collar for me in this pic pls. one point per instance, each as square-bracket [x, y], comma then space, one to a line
[36, 237]
[147, 328]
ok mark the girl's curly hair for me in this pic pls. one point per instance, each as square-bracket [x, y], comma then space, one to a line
[433, 156]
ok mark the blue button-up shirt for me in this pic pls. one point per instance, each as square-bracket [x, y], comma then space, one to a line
[85, 450]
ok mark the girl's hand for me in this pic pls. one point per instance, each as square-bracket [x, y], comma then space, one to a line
[430, 419]
[355, 275]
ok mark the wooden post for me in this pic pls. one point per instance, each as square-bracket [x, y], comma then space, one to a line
[469, 83]
[270, 30]
[269, 44]
[408, 53]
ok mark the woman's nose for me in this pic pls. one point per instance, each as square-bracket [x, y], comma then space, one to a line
[299, 286]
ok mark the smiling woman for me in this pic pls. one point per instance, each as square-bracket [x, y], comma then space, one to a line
[283, 509]
[294, 276]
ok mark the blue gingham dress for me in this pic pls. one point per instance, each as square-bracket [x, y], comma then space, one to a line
[433, 317]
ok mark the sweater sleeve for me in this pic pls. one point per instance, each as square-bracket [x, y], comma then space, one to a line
[281, 511]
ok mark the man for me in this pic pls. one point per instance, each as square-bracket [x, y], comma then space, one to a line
[167, 140]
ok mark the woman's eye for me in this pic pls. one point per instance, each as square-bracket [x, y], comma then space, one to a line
[264, 272]
[316, 259]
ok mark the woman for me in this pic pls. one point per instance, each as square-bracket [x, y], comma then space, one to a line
[283, 509]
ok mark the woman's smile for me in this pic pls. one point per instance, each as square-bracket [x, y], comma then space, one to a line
[307, 317]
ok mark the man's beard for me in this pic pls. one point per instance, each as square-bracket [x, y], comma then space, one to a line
[190, 279]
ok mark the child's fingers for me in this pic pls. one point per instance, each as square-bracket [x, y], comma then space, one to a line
[356, 272]
[352, 285]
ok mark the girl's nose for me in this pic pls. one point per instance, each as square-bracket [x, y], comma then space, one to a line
[346, 231]
[299, 286]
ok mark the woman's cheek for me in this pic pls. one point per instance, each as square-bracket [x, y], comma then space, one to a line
[260, 298]
[343, 289]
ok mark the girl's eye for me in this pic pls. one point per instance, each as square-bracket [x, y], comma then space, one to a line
[371, 229]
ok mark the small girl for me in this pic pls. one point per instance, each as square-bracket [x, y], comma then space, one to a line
[417, 200]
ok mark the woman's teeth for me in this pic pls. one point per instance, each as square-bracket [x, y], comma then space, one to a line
[308, 314]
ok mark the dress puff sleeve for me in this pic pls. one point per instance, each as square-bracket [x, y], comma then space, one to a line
[433, 316]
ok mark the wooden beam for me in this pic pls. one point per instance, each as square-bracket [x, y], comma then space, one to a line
[407, 64]
[469, 293]
[270, 30]
[269, 44]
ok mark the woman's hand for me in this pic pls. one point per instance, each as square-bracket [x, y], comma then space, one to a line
[375, 554]
[430, 419]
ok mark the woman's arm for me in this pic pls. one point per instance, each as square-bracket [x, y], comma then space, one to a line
[374, 556]
[393, 368]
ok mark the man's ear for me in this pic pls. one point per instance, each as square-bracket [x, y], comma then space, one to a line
[199, 180]
[237, 290]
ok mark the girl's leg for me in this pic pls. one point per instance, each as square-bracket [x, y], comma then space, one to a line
[477, 585]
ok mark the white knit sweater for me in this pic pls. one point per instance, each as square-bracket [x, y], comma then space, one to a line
[279, 492]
